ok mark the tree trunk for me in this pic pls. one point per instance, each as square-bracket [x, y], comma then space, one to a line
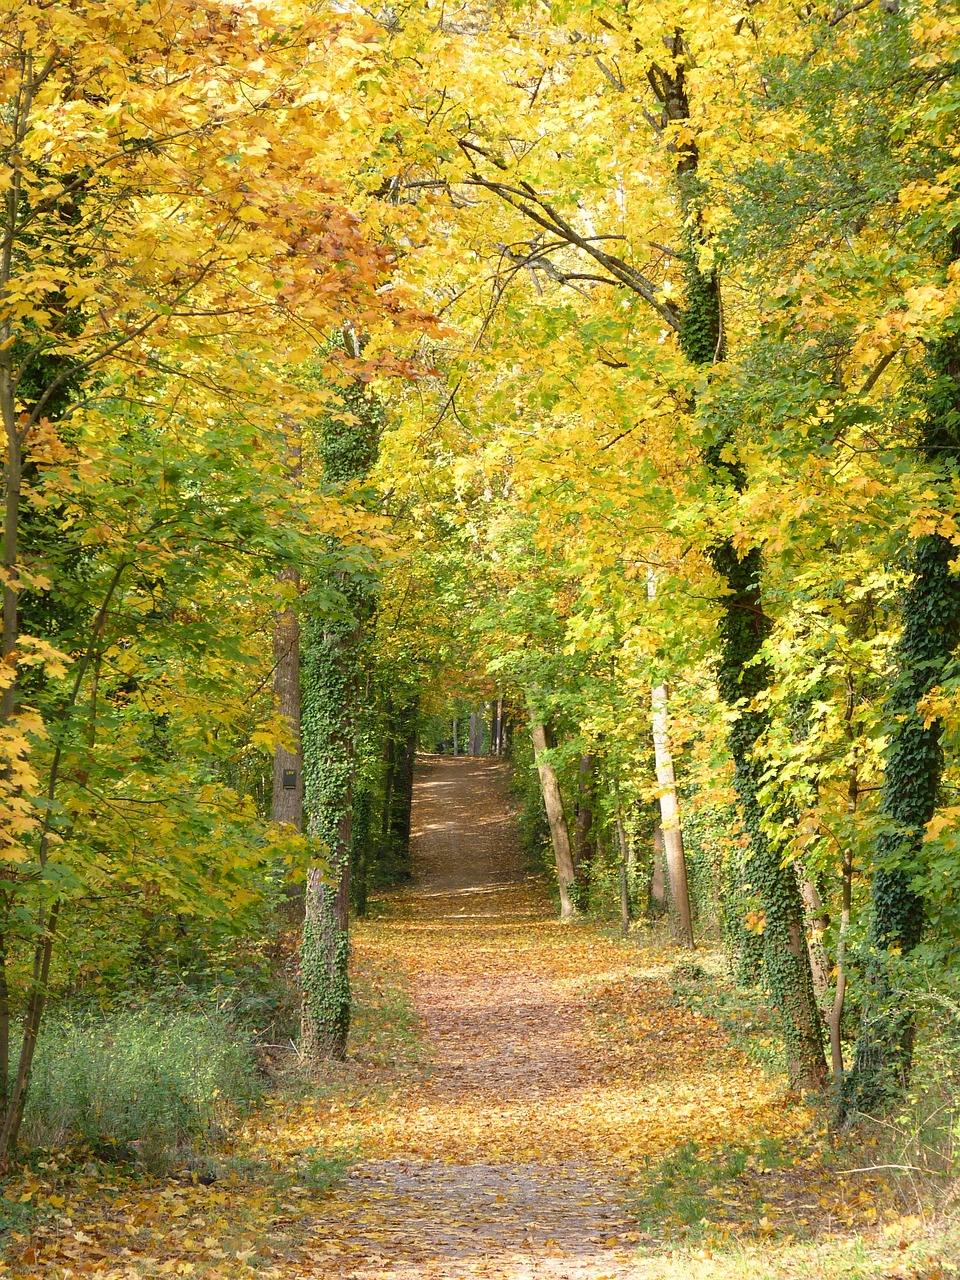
[836, 1013]
[325, 953]
[817, 921]
[456, 745]
[583, 848]
[329, 714]
[360, 838]
[559, 834]
[389, 778]
[43, 951]
[740, 677]
[287, 803]
[330, 698]
[658, 873]
[287, 798]
[909, 798]
[4, 1020]
[623, 877]
[406, 753]
[680, 915]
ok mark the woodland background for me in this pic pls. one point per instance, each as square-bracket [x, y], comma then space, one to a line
[592, 368]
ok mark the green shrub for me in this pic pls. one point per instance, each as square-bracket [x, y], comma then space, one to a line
[139, 1084]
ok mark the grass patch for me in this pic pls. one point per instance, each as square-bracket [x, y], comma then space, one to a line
[689, 1194]
[144, 1085]
[311, 1170]
[384, 1027]
[742, 1013]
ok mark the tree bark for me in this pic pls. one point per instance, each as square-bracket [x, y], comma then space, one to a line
[389, 778]
[817, 921]
[911, 785]
[583, 847]
[330, 694]
[623, 877]
[402, 807]
[559, 834]
[680, 915]
[325, 952]
[287, 799]
[836, 1013]
[658, 873]
[287, 802]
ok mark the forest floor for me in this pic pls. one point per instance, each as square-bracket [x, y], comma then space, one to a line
[524, 1100]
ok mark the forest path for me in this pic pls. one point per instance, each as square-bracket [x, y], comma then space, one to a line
[507, 1078]
[553, 1065]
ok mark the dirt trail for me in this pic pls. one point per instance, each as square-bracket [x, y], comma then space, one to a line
[510, 1158]
[499, 1038]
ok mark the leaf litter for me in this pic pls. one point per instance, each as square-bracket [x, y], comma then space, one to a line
[523, 1100]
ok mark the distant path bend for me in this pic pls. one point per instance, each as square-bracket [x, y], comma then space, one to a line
[463, 830]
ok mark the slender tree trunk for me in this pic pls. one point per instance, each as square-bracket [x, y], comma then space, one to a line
[403, 790]
[836, 1013]
[389, 776]
[11, 547]
[623, 876]
[456, 745]
[680, 914]
[559, 833]
[13, 1119]
[658, 873]
[817, 921]
[360, 838]
[287, 803]
[287, 800]
[583, 847]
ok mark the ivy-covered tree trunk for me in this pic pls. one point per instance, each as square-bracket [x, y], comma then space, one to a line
[360, 849]
[401, 807]
[287, 800]
[914, 765]
[287, 796]
[331, 663]
[740, 677]
[330, 666]
[743, 628]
